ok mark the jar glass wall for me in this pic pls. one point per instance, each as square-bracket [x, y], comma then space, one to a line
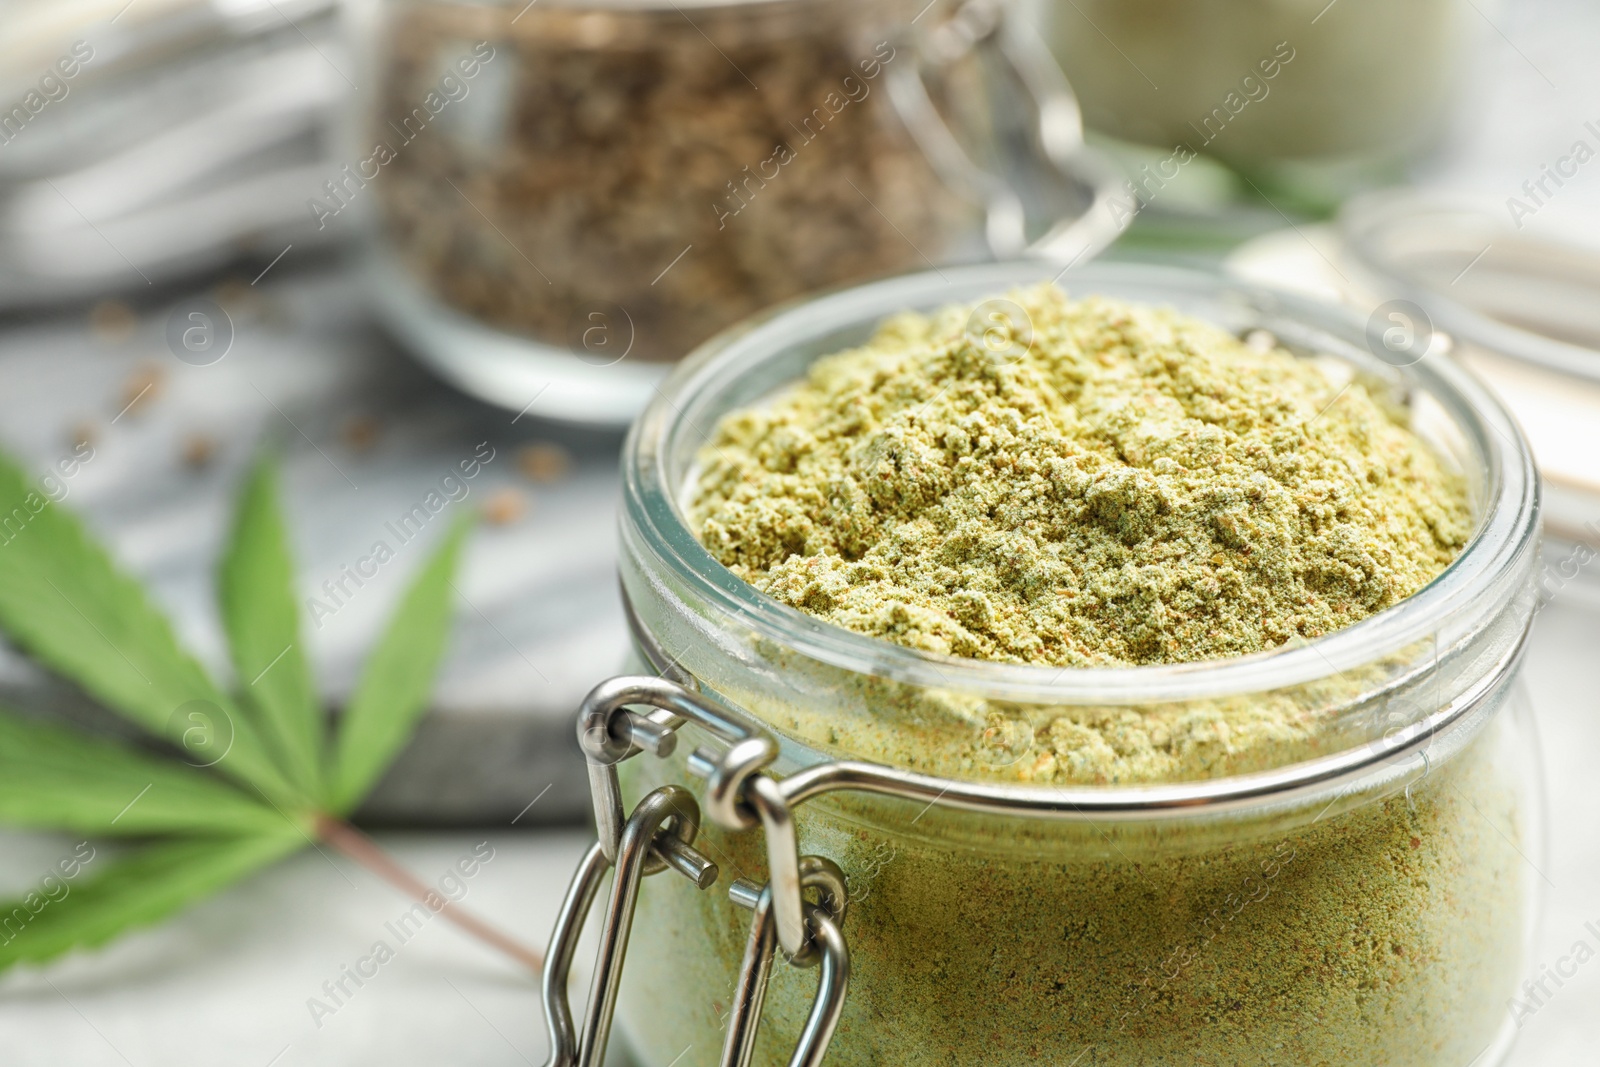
[1357, 893]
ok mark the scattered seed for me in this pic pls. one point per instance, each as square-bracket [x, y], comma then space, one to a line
[199, 450]
[112, 321]
[360, 432]
[504, 507]
[235, 295]
[544, 462]
[141, 388]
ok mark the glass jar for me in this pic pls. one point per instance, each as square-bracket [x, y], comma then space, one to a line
[1517, 299]
[1361, 893]
[567, 196]
[1310, 99]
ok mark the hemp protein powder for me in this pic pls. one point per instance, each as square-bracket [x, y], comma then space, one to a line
[1107, 485]
[1100, 484]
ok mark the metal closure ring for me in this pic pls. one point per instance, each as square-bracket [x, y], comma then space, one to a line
[827, 944]
[609, 733]
[647, 845]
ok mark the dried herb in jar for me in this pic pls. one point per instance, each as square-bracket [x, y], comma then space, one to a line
[658, 172]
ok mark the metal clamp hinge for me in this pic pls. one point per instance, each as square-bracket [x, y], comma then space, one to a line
[659, 834]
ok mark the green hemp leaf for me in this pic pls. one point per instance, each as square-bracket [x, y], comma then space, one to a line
[225, 783]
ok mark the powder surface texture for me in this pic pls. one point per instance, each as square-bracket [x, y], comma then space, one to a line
[1078, 483]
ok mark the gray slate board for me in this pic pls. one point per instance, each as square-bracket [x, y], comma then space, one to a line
[539, 622]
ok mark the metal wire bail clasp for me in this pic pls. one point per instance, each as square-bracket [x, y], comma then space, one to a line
[656, 835]
[824, 920]
[739, 795]
[609, 733]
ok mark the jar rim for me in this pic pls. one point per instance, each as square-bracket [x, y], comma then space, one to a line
[1385, 230]
[1506, 531]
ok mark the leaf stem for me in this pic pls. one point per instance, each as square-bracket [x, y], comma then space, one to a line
[367, 852]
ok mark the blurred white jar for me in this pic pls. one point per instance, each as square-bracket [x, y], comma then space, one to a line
[1311, 97]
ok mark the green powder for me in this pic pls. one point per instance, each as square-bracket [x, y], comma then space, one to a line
[1084, 483]
[1102, 485]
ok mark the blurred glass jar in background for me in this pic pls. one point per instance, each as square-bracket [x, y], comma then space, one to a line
[573, 194]
[1308, 98]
